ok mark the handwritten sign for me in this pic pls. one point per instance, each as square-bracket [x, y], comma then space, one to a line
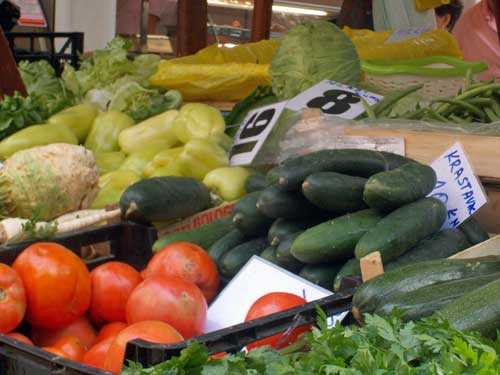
[457, 186]
[405, 34]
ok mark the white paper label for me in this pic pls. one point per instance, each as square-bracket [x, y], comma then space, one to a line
[405, 34]
[457, 186]
[395, 145]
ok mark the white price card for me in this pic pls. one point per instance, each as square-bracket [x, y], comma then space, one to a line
[257, 278]
[405, 34]
[457, 186]
[253, 132]
[335, 99]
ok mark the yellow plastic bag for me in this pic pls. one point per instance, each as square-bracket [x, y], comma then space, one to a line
[423, 5]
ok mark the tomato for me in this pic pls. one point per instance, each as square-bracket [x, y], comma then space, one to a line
[169, 299]
[72, 347]
[55, 351]
[110, 330]
[218, 355]
[57, 284]
[112, 284]
[152, 331]
[12, 299]
[96, 356]
[20, 337]
[187, 261]
[270, 304]
[81, 329]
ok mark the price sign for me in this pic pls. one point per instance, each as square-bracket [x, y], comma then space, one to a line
[31, 13]
[335, 99]
[457, 186]
[404, 34]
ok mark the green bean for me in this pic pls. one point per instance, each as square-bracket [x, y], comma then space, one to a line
[436, 116]
[369, 111]
[468, 79]
[458, 119]
[415, 115]
[481, 101]
[496, 108]
[490, 114]
[391, 99]
[478, 90]
[462, 103]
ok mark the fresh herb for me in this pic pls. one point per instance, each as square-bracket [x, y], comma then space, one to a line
[18, 112]
[33, 231]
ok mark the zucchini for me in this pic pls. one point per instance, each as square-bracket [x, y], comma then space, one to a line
[394, 160]
[283, 250]
[402, 229]
[473, 231]
[230, 240]
[234, 260]
[389, 190]
[269, 254]
[161, 199]
[477, 310]
[334, 240]
[321, 274]
[272, 176]
[351, 268]
[335, 192]
[247, 218]
[255, 182]
[440, 245]
[369, 296]
[425, 301]
[275, 203]
[282, 228]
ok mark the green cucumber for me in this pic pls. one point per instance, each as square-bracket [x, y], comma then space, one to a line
[477, 310]
[473, 231]
[282, 228]
[334, 240]
[161, 199]
[275, 203]
[335, 192]
[440, 245]
[321, 274]
[351, 268]
[394, 160]
[372, 294]
[247, 218]
[402, 229]
[272, 176]
[283, 251]
[234, 260]
[230, 240]
[389, 190]
[425, 301]
[255, 182]
[269, 254]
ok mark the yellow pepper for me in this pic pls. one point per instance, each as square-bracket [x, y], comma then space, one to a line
[199, 157]
[154, 132]
[163, 159]
[137, 161]
[165, 171]
[109, 161]
[36, 135]
[78, 119]
[112, 185]
[104, 134]
[198, 121]
[227, 182]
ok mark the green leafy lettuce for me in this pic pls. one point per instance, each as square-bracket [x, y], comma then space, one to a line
[18, 112]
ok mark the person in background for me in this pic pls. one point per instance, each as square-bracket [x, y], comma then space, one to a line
[162, 16]
[476, 33]
[9, 14]
[448, 15]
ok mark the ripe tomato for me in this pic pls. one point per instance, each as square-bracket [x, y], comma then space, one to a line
[20, 337]
[72, 347]
[110, 330]
[55, 351]
[57, 284]
[169, 299]
[269, 304]
[112, 284]
[96, 356]
[12, 299]
[189, 262]
[152, 331]
[81, 329]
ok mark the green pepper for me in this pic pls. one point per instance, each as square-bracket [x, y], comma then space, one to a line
[104, 134]
[227, 182]
[154, 132]
[199, 157]
[78, 119]
[198, 121]
[109, 161]
[36, 135]
[163, 159]
[112, 186]
[137, 161]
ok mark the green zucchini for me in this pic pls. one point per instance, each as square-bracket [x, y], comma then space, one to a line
[440, 245]
[425, 301]
[402, 229]
[334, 240]
[370, 295]
[282, 228]
[351, 268]
[473, 231]
[160, 199]
[321, 274]
[272, 176]
[230, 240]
[335, 192]
[247, 218]
[394, 160]
[477, 310]
[269, 254]
[255, 182]
[234, 260]
[283, 251]
[275, 203]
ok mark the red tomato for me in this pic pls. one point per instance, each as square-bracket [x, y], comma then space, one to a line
[169, 299]
[96, 356]
[270, 304]
[12, 299]
[110, 330]
[152, 331]
[189, 262]
[57, 284]
[55, 351]
[218, 355]
[72, 347]
[20, 337]
[81, 329]
[112, 284]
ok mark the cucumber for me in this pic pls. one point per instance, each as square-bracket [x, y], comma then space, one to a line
[334, 240]
[473, 231]
[477, 310]
[247, 218]
[350, 268]
[425, 301]
[364, 163]
[275, 203]
[438, 246]
[161, 199]
[203, 236]
[282, 228]
[369, 296]
[230, 240]
[394, 160]
[255, 182]
[389, 190]
[335, 192]
[283, 253]
[234, 260]
[269, 254]
[402, 229]
[272, 176]
[321, 274]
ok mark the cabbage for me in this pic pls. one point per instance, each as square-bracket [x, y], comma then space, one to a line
[310, 53]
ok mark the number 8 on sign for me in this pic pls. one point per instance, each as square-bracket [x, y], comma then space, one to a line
[334, 102]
